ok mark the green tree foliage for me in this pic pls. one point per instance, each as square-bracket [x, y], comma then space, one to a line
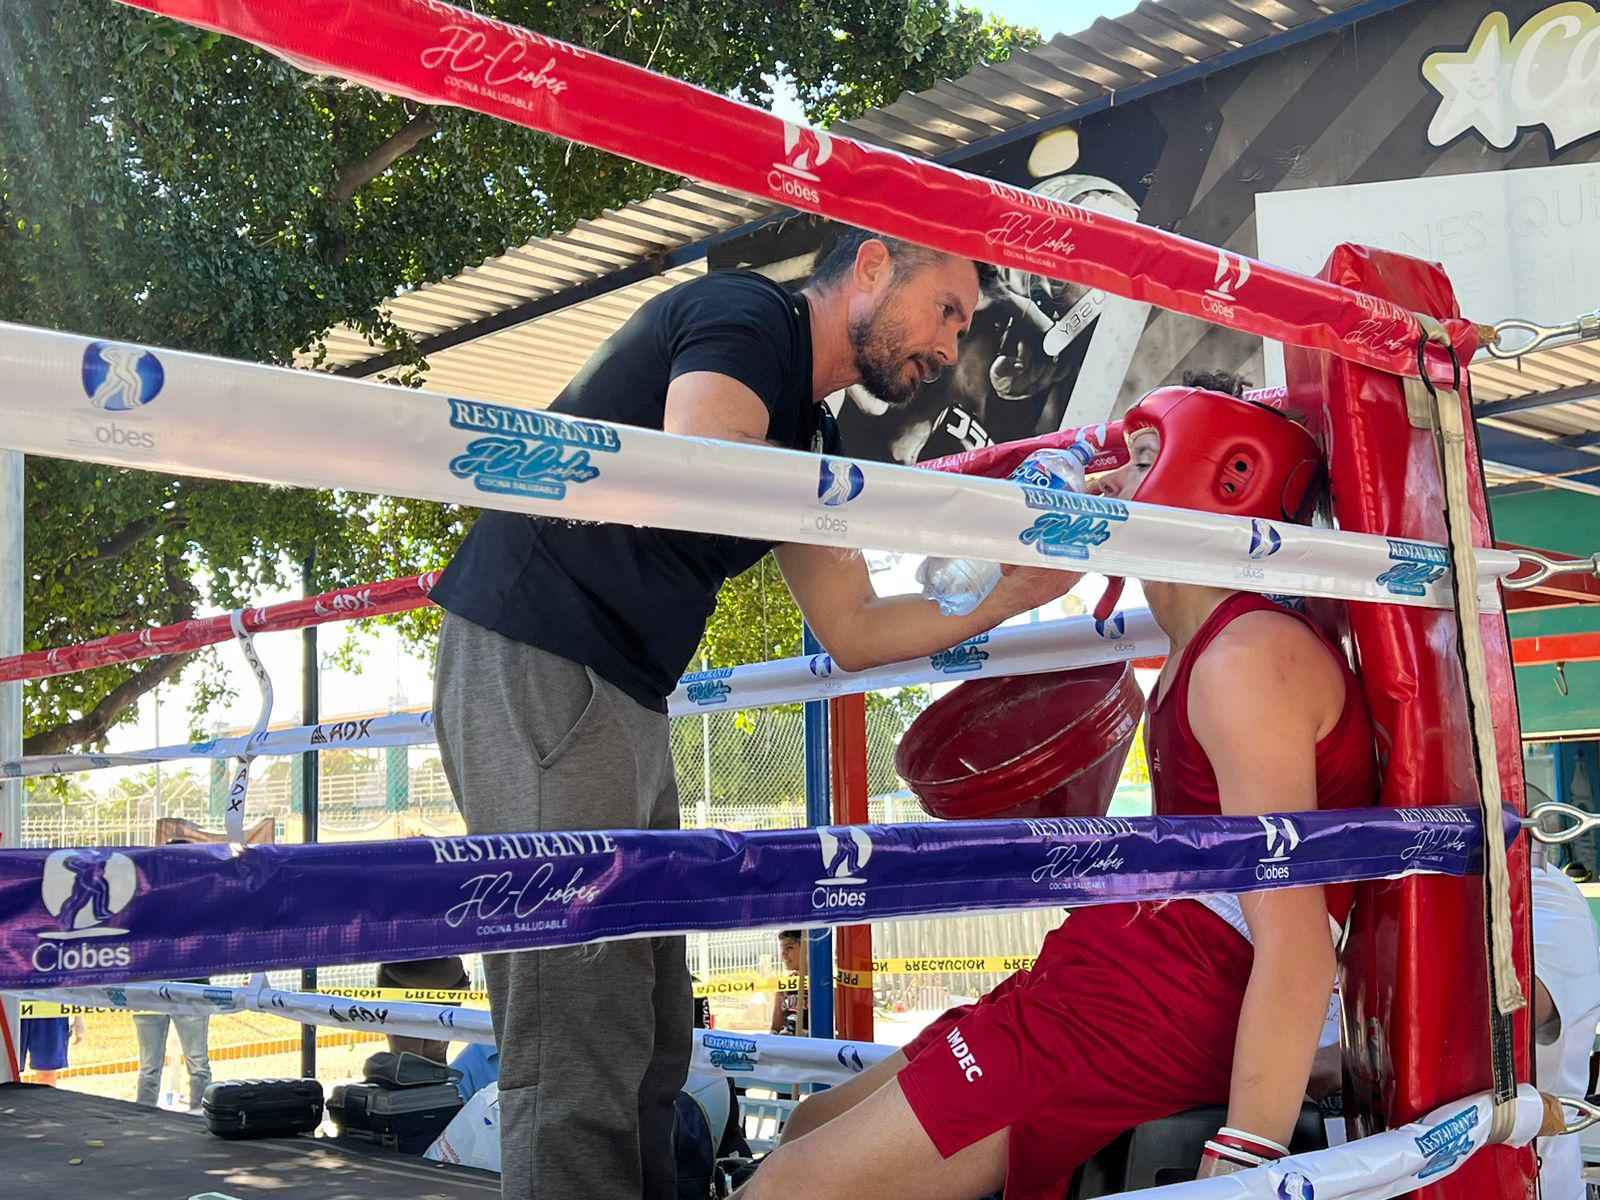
[165, 185]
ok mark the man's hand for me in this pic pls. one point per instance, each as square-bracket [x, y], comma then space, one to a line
[861, 629]
[1023, 589]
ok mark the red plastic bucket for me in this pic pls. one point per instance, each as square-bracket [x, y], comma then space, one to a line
[1047, 745]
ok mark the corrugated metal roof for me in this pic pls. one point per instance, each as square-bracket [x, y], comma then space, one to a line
[1112, 56]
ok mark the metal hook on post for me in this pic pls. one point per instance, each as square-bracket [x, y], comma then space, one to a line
[1547, 568]
[1539, 336]
[1590, 1114]
[1582, 822]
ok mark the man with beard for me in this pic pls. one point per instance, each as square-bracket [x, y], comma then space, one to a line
[561, 642]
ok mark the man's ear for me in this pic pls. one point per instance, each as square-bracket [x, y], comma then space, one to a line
[874, 267]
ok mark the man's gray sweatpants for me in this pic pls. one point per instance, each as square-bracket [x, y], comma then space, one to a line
[594, 1040]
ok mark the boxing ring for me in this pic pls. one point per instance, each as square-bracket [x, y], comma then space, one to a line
[1437, 1036]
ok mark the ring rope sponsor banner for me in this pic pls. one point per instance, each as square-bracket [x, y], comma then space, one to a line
[1393, 1163]
[107, 916]
[233, 817]
[430, 51]
[215, 418]
[346, 604]
[796, 1059]
[1014, 650]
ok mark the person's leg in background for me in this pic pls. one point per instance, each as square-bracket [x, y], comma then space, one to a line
[674, 1031]
[151, 1030]
[532, 743]
[194, 1035]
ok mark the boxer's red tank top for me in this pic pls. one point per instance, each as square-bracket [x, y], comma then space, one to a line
[1181, 777]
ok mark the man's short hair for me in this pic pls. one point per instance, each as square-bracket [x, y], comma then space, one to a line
[839, 259]
[1217, 381]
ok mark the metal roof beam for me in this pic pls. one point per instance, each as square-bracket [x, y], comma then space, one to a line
[1517, 454]
[1516, 404]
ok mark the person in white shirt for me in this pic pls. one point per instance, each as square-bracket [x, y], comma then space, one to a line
[1566, 1008]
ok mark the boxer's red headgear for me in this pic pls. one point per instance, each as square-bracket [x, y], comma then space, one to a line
[1221, 454]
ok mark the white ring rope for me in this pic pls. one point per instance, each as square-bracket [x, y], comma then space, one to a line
[221, 419]
[1012, 650]
[739, 1055]
[233, 817]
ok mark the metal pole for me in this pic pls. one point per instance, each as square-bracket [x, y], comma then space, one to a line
[819, 811]
[847, 730]
[11, 574]
[309, 715]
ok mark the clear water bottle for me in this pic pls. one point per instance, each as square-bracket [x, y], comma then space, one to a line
[959, 585]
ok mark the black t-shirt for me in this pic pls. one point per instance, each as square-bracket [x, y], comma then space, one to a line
[632, 604]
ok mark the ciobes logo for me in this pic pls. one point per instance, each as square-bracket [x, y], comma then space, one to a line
[84, 889]
[1232, 273]
[804, 150]
[121, 378]
[839, 482]
[1283, 838]
[1265, 541]
[121, 381]
[845, 853]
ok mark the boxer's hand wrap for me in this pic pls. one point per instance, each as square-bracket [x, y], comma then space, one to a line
[1234, 1150]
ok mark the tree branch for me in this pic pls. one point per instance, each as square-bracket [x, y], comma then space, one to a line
[119, 544]
[97, 722]
[348, 180]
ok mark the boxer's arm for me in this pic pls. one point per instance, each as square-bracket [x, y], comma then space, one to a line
[861, 629]
[1259, 698]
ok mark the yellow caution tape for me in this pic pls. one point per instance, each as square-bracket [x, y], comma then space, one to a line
[45, 1008]
[426, 995]
[743, 985]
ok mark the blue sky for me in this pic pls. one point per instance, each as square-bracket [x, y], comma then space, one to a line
[1051, 17]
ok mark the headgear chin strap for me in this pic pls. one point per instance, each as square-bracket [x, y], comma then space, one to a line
[1224, 455]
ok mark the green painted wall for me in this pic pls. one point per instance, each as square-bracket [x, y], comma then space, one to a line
[1567, 522]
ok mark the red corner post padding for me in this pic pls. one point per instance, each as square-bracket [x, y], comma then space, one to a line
[1414, 975]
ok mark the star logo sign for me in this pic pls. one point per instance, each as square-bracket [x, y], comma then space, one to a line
[1473, 86]
[1546, 73]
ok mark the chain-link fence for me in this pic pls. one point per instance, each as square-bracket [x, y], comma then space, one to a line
[736, 770]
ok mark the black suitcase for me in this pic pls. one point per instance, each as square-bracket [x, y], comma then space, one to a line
[258, 1108]
[406, 1119]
